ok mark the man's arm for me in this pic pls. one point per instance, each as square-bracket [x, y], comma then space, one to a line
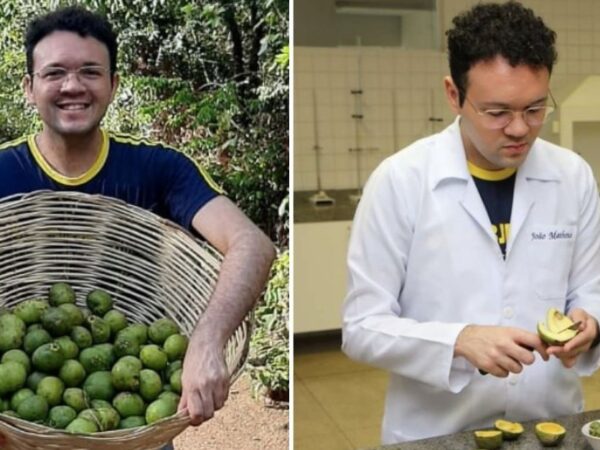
[248, 255]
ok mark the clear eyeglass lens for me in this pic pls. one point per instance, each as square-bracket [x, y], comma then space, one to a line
[500, 118]
[88, 73]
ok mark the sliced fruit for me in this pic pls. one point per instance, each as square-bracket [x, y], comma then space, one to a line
[550, 433]
[510, 430]
[555, 331]
[488, 439]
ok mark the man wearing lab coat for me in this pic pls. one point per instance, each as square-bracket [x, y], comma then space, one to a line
[464, 240]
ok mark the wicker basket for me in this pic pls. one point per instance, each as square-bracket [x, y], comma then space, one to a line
[151, 267]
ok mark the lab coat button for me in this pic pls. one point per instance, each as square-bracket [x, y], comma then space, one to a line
[512, 379]
[508, 312]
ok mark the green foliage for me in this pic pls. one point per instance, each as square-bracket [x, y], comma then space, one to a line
[269, 357]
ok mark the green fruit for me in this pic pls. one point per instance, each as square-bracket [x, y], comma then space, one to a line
[34, 339]
[48, 358]
[132, 422]
[99, 302]
[34, 326]
[126, 345]
[161, 329]
[12, 332]
[30, 311]
[52, 389]
[74, 313]
[61, 293]
[153, 357]
[488, 439]
[69, 348]
[82, 426]
[116, 320]
[159, 409]
[550, 433]
[19, 356]
[61, 416]
[136, 331]
[12, 377]
[108, 417]
[34, 409]
[75, 398]
[150, 385]
[175, 381]
[129, 404]
[170, 396]
[126, 374]
[175, 346]
[56, 321]
[99, 328]
[82, 337]
[97, 404]
[510, 430]
[555, 331]
[19, 396]
[172, 367]
[95, 359]
[34, 379]
[99, 385]
[72, 373]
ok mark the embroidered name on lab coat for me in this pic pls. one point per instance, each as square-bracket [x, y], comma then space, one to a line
[551, 236]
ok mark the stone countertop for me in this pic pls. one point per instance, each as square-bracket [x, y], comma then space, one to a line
[342, 209]
[574, 439]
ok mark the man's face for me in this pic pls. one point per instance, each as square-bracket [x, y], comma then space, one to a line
[495, 84]
[75, 104]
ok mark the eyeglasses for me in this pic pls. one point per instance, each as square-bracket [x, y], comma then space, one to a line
[498, 118]
[58, 75]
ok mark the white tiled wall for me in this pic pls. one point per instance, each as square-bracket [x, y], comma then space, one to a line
[401, 89]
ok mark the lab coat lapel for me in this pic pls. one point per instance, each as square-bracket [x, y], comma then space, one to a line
[452, 167]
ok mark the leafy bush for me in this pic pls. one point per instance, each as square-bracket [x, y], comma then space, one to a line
[269, 359]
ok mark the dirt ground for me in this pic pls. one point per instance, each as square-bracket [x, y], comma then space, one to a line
[244, 423]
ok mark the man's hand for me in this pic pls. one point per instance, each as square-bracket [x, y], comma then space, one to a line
[205, 380]
[498, 350]
[581, 343]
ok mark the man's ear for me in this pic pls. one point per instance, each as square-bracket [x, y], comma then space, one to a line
[27, 84]
[452, 94]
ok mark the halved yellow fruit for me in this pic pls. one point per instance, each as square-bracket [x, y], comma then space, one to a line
[510, 430]
[550, 433]
[554, 331]
[488, 439]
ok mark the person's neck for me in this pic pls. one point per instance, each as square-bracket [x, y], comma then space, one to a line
[71, 155]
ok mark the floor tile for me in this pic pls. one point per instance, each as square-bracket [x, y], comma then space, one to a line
[325, 363]
[352, 400]
[367, 437]
[310, 418]
[332, 441]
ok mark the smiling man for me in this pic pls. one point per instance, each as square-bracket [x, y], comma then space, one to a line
[71, 80]
[446, 283]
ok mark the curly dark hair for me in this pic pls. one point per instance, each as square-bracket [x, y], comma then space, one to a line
[488, 30]
[77, 20]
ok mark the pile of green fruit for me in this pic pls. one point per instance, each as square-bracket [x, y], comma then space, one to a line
[87, 369]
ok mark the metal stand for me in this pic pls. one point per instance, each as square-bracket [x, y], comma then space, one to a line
[320, 198]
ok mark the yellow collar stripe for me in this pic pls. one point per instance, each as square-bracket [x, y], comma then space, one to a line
[70, 181]
[490, 175]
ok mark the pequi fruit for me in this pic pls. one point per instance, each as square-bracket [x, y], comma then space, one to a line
[161, 408]
[550, 433]
[99, 302]
[12, 332]
[34, 409]
[60, 416]
[554, 331]
[161, 329]
[99, 328]
[61, 293]
[57, 321]
[116, 320]
[48, 358]
[125, 374]
[80, 425]
[488, 439]
[175, 346]
[30, 311]
[510, 430]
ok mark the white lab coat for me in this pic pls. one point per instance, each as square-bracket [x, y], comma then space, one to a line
[423, 263]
